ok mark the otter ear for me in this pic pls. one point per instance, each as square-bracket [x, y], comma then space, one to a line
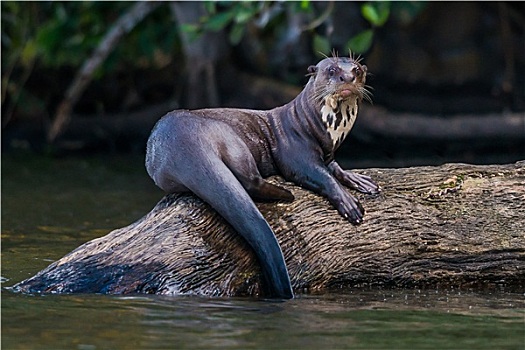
[312, 70]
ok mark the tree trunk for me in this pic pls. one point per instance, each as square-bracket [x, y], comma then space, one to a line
[454, 225]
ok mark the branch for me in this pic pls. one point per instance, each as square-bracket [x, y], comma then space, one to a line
[319, 20]
[122, 26]
[377, 121]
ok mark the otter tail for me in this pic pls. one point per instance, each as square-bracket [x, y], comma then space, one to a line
[219, 187]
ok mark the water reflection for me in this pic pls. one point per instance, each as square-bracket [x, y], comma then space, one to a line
[365, 319]
[98, 195]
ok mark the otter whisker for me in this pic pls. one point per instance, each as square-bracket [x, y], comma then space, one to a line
[365, 94]
[352, 56]
[335, 57]
[319, 97]
[323, 54]
[323, 92]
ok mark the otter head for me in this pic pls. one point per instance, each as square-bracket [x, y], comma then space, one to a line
[338, 87]
[339, 78]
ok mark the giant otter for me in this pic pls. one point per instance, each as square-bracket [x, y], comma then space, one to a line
[223, 155]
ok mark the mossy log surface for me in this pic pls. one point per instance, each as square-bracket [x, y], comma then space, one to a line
[454, 225]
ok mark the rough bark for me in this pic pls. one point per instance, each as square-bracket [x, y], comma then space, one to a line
[454, 225]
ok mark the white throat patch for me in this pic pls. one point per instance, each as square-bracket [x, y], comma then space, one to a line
[338, 117]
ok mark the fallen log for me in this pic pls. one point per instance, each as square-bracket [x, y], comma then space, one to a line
[455, 225]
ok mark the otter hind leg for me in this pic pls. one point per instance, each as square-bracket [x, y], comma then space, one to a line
[265, 191]
[243, 166]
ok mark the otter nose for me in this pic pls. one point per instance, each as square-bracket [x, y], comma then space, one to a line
[347, 77]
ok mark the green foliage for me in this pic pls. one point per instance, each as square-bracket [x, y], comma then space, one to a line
[19, 53]
[234, 17]
[377, 14]
[60, 34]
[54, 35]
[65, 33]
[361, 42]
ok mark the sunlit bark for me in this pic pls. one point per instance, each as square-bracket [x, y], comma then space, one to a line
[454, 225]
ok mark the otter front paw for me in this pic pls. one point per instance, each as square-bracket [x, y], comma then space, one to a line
[361, 183]
[350, 208]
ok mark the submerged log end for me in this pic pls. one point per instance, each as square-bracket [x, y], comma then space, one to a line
[454, 225]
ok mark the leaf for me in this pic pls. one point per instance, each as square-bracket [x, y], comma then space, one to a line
[210, 7]
[361, 42]
[193, 31]
[219, 21]
[376, 13]
[29, 52]
[245, 14]
[189, 28]
[236, 33]
[305, 5]
[321, 44]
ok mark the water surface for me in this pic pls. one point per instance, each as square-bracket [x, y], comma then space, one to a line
[51, 206]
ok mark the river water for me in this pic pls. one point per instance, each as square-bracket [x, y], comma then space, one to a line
[52, 205]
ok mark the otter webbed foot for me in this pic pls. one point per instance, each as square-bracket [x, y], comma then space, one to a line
[361, 183]
[358, 182]
[322, 180]
[350, 208]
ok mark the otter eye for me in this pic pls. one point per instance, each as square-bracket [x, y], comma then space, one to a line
[331, 72]
[357, 71]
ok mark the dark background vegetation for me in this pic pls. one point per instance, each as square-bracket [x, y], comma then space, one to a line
[448, 78]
